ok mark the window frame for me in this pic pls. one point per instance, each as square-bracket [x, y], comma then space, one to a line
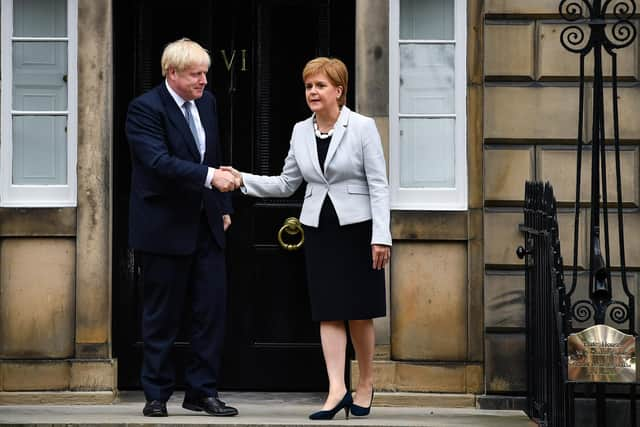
[429, 198]
[12, 195]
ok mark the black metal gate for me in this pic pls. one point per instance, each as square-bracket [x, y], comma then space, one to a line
[597, 28]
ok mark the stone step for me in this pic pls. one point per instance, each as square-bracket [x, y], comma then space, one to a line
[424, 400]
[256, 409]
[462, 379]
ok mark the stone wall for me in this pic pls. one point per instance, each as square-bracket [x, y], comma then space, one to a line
[530, 131]
[435, 332]
[55, 263]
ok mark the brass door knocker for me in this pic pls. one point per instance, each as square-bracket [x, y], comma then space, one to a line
[291, 226]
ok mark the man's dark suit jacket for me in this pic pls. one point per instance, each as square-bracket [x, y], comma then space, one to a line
[167, 182]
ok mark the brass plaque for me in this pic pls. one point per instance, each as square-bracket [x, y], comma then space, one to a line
[602, 354]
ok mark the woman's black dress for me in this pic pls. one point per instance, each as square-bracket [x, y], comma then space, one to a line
[342, 283]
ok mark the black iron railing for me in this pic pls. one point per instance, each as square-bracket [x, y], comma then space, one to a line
[549, 394]
[598, 28]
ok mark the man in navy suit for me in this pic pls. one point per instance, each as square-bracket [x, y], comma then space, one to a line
[178, 213]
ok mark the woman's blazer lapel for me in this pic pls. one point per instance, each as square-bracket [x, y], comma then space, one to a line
[309, 143]
[340, 129]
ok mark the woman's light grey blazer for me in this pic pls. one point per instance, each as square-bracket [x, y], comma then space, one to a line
[355, 176]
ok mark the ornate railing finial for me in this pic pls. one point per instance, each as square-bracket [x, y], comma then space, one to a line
[597, 27]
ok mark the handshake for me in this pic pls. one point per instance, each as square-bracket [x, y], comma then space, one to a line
[226, 178]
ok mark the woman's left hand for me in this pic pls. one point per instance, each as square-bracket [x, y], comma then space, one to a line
[381, 255]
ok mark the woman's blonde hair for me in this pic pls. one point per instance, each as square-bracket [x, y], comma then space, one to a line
[182, 54]
[334, 69]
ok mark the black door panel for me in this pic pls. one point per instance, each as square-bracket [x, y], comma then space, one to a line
[258, 49]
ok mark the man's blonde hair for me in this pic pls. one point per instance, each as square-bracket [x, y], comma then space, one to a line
[334, 69]
[182, 54]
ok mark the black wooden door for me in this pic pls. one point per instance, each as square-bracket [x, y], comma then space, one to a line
[258, 49]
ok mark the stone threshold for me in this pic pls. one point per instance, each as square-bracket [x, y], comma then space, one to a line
[57, 398]
[256, 409]
[381, 399]
[432, 400]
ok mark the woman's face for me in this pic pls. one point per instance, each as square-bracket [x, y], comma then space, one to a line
[322, 96]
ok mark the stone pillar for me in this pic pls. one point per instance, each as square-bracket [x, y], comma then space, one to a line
[372, 92]
[93, 260]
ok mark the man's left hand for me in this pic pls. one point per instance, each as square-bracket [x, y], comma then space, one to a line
[226, 221]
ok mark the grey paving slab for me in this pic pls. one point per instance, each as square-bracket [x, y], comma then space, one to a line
[256, 409]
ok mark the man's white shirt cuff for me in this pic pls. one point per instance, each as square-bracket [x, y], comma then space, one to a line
[207, 182]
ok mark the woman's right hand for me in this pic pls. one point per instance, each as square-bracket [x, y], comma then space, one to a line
[381, 255]
[236, 174]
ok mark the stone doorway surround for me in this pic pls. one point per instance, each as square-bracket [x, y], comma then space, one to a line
[55, 268]
[61, 350]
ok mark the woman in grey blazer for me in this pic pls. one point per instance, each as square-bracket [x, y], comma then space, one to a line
[345, 215]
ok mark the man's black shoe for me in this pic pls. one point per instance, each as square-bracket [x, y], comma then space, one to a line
[210, 405]
[155, 408]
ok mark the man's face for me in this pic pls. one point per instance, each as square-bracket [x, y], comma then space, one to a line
[190, 82]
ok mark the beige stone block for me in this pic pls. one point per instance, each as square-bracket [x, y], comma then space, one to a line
[505, 363]
[517, 7]
[509, 50]
[58, 398]
[384, 374]
[504, 300]
[559, 165]
[475, 312]
[551, 113]
[429, 300]
[555, 62]
[430, 378]
[415, 225]
[530, 112]
[37, 222]
[566, 222]
[31, 376]
[475, 378]
[37, 284]
[628, 110]
[506, 172]
[475, 147]
[631, 222]
[400, 399]
[93, 375]
[372, 57]
[502, 237]
[475, 42]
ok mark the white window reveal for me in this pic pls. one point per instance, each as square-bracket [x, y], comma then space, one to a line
[38, 103]
[427, 104]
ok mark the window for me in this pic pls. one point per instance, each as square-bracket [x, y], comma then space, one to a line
[38, 103]
[427, 104]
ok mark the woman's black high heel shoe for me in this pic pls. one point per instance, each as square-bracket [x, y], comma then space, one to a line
[361, 411]
[328, 414]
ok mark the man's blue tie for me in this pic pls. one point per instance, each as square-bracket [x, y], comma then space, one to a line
[192, 126]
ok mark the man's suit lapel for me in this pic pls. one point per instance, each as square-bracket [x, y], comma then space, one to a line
[204, 110]
[177, 118]
[338, 133]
